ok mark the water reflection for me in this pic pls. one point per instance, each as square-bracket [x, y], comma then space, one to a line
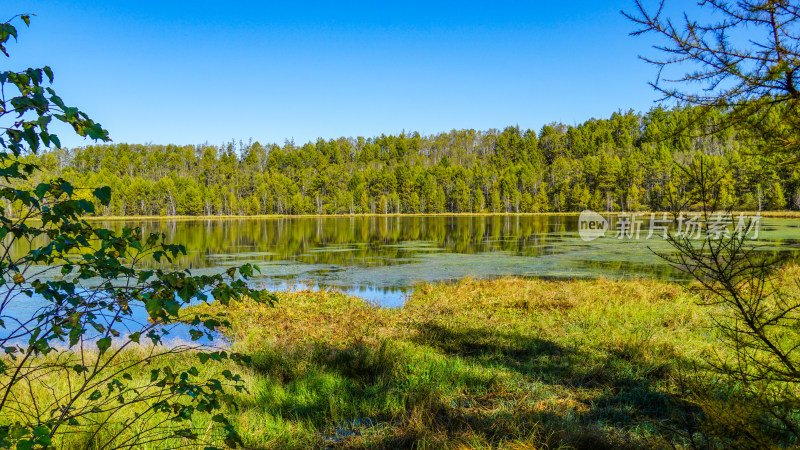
[381, 257]
[389, 297]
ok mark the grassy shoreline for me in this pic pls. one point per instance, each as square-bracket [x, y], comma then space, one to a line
[504, 363]
[480, 363]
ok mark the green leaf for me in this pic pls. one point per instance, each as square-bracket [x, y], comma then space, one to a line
[67, 188]
[195, 334]
[31, 138]
[103, 344]
[42, 189]
[103, 194]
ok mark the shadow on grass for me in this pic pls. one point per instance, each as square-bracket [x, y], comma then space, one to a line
[621, 384]
[468, 386]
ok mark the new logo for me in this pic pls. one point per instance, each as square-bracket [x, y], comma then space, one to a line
[591, 225]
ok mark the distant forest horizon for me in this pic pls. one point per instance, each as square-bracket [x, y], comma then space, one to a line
[622, 163]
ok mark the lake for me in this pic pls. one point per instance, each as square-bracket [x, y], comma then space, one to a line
[381, 257]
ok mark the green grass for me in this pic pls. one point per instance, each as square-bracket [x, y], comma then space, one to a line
[506, 363]
[51, 379]
[503, 363]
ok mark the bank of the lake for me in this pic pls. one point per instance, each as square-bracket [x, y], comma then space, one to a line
[504, 363]
[788, 214]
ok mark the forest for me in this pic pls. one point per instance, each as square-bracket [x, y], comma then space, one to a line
[623, 163]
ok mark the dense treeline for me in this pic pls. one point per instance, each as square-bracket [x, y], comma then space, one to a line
[623, 163]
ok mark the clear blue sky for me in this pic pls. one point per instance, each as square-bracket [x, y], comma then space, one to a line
[194, 72]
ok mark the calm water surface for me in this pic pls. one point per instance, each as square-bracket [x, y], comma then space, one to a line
[381, 257]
